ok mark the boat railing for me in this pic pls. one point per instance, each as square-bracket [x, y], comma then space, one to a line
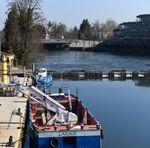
[61, 89]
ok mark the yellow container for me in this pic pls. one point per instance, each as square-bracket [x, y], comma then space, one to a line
[4, 77]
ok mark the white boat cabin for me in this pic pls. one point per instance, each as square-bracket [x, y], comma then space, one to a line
[42, 72]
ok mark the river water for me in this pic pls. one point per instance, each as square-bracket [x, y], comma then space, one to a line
[78, 60]
[122, 107]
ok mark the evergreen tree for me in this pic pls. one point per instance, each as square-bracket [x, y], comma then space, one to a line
[26, 32]
[11, 31]
[84, 31]
[23, 16]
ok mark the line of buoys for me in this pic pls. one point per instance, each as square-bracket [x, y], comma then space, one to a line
[111, 75]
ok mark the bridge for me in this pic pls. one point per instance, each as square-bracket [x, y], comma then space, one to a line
[69, 44]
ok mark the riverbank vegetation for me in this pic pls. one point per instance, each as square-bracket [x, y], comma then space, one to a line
[25, 27]
[86, 31]
[20, 32]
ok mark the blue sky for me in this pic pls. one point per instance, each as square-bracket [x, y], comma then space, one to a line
[72, 12]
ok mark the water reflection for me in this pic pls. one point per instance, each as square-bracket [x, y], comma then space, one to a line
[121, 106]
[144, 83]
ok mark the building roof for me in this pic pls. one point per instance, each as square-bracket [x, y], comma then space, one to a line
[143, 15]
[126, 23]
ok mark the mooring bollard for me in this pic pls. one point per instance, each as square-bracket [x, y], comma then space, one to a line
[10, 141]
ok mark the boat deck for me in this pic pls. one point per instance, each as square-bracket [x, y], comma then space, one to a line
[11, 122]
[85, 120]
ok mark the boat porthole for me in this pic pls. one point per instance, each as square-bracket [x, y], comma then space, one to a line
[54, 142]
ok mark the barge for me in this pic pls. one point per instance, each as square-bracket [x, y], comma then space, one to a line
[60, 120]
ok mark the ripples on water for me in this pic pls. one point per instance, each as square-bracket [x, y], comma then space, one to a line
[122, 107]
[78, 60]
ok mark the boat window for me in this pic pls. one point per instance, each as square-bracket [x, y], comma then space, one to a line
[41, 71]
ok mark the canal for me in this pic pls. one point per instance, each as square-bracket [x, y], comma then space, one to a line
[122, 107]
[91, 61]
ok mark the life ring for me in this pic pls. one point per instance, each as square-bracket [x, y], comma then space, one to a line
[54, 142]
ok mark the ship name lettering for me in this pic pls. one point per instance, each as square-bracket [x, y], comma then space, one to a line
[69, 134]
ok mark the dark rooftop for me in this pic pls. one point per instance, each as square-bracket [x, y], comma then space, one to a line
[143, 15]
[128, 23]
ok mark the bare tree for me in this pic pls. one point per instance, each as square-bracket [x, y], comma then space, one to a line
[108, 27]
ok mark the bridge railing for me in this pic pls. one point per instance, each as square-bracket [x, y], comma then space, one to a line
[74, 43]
